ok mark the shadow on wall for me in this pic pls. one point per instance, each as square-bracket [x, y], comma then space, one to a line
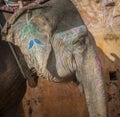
[20, 111]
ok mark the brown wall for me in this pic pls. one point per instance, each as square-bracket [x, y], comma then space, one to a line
[54, 100]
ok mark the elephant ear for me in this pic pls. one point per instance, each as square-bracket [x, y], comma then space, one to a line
[32, 37]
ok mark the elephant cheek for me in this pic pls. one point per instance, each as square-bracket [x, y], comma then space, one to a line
[63, 70]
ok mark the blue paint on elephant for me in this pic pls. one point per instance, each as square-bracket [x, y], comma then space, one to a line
[31, 43]
[38, 42]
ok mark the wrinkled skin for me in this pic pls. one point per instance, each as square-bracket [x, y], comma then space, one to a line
[80, 61]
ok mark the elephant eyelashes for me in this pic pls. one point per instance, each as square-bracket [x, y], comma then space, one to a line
[80, 42]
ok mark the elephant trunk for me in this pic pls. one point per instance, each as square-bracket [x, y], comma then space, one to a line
[93, 84]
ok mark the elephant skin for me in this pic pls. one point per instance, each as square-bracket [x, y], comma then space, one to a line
[60, 59]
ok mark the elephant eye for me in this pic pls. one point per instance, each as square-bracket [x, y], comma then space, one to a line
[79, 42]
[80, 45]
[82, 41]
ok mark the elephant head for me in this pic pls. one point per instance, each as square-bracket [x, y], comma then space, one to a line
[60, 48]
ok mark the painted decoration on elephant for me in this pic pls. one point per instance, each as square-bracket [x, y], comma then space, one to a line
[72, 33]
[34, 45]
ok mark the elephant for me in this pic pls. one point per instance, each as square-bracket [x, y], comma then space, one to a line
[55, 41]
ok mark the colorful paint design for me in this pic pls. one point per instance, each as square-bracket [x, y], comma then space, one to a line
[72, 33]
[33, 41]
[63, 41]
[98, 63]
[38, 49]
[26, 29]
[29, 28]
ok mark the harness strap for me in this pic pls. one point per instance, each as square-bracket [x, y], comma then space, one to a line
[16, 58]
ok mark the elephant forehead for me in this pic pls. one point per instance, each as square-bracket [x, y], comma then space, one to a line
[63, 41]
[72, 33]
